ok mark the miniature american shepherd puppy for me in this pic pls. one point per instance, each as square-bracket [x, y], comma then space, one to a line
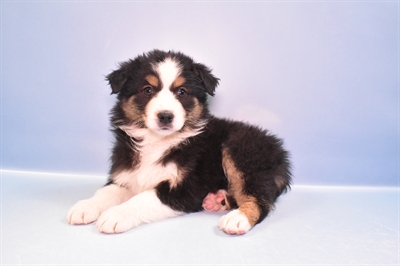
[172, 157]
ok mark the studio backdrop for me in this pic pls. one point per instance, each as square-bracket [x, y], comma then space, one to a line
[321, 75]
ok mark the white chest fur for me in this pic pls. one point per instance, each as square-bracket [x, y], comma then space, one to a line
[150, 172]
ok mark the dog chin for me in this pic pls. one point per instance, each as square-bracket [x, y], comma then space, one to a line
[164, 131]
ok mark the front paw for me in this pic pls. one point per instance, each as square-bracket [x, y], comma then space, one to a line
[83, 212]
[116, 220]
[234, 223]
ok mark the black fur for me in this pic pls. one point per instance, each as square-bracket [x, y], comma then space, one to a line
[258, 154]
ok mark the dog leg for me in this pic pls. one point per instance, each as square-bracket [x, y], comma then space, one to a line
[145, 207]
[216, 201]
[87, 211]
[247, 215]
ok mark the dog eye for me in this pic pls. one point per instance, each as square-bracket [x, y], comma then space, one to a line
[148, 90]
[182, 93]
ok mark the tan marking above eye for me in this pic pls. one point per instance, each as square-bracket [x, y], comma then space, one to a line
[152, 80]
[179, 81]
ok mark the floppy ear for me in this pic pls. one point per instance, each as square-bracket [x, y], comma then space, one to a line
[207, 79]
[117, 79]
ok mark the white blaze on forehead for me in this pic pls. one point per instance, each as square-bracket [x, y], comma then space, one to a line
[165, 100]
[168, 70]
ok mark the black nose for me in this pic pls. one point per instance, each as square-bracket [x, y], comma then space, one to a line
[165, 117]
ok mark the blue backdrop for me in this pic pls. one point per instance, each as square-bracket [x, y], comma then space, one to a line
[322, 75]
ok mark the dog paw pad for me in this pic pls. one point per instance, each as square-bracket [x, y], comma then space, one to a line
[216, 201]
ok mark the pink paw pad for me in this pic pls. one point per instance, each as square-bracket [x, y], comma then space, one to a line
[216, 201]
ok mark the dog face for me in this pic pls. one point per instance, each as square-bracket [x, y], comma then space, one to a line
[162, 91]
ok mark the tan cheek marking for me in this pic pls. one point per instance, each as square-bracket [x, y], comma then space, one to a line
[247, 204]
[130, 110]
[179, 81]
[195, 114]
[152, 80]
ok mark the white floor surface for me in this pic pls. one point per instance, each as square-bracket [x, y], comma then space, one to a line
[310, 226]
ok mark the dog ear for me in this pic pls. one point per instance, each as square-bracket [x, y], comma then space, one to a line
[209, 81]
[117, 79]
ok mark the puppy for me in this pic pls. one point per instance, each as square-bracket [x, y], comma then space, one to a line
[172, 157]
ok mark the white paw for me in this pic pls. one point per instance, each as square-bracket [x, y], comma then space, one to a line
[116, 220]
[234, 223]
[83, 212]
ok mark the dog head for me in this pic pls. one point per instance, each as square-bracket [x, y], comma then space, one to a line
[161, 91]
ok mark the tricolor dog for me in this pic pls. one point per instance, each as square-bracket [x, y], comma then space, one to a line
[171, 156]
